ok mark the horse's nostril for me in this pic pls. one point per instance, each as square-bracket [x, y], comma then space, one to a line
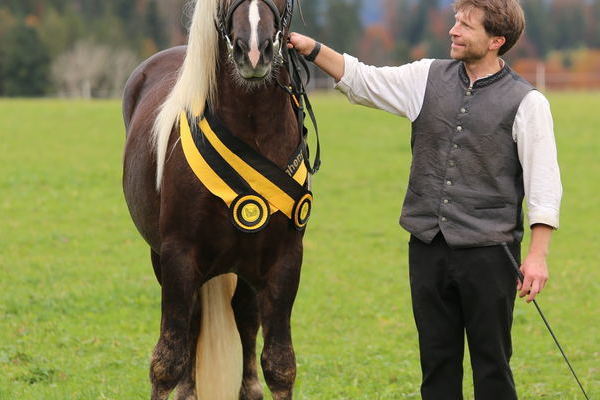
[265, 45]
[241, 46]
[266, 49]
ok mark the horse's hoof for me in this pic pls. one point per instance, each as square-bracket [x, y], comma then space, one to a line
[251, 391]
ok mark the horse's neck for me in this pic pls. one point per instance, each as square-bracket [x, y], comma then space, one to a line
[263, 117]
[246, 110]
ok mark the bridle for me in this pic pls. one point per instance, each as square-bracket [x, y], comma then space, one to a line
[282, 23]
[294, 63]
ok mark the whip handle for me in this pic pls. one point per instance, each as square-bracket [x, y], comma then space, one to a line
[520, 275]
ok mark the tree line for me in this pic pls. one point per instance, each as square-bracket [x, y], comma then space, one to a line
[81, 48]
[87, 48]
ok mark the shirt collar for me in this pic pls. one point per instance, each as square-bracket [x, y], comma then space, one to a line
[486, 81]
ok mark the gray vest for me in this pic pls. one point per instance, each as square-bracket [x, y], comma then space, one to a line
[466, 179]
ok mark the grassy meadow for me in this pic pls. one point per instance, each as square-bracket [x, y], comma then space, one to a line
[79, 304]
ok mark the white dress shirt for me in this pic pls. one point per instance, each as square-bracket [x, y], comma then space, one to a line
[401, 91]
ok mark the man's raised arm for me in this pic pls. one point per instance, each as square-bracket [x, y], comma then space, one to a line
[325, 58]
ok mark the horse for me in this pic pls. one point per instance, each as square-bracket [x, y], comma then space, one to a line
[218, 283]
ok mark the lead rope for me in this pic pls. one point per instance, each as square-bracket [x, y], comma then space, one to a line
[297, 90]
[520, 276]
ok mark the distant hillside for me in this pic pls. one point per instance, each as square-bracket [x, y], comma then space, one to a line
[87, 48]
[372, 10]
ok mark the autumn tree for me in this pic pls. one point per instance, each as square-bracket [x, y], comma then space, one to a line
[418, 24]
[25, 63]
[342, 25]
[91, 69]
[308, 18]
[537, 30]
[568, 23]
[593, 25]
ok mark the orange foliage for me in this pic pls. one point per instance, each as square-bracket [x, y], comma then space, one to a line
[438, 23]
[563, 70]
[526, 67]
[418, 52]
[140, 6]
[148, 48]
[32, 21]
[585, 69]
[7, 21]
[376, 45]
[378, 35]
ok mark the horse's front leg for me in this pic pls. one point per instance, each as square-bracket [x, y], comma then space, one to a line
[275, 302]
[245, 307]
[186, 389]
[180, 281]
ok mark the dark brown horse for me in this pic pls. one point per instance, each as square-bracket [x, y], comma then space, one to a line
[214, 277]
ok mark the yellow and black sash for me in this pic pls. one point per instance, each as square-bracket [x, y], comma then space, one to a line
[252, 186]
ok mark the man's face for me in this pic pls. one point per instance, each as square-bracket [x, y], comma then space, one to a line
[470, 41]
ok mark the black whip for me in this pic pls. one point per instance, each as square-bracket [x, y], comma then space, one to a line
[520, 275]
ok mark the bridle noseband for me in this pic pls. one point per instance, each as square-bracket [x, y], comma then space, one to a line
[282, 23]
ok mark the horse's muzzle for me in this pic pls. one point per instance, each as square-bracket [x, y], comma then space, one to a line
[253, 63]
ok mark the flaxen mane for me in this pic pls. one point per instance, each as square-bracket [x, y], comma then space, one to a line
[196, 82]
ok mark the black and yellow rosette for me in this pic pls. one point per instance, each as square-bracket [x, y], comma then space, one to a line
[250, 212]
[252, 186]
[302, 210]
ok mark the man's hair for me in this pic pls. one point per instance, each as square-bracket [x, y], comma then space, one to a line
[500, 18]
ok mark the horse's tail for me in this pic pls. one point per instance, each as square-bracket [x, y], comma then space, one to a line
[219, 362]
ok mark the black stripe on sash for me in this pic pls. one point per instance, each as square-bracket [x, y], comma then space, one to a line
[266, 167]
[216, 162]
[297, 158]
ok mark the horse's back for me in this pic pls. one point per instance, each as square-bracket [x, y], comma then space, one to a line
[151, 81]
[147, 88]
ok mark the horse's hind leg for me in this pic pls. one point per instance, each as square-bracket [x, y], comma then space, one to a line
[245, 308]
[275, 302]
[180, 282]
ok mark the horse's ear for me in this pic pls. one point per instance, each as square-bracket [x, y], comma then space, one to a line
[288, 14]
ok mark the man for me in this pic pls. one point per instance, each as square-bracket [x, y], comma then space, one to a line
[482, 139]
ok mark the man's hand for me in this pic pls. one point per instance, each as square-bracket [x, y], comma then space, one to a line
[303, 44]
[328, 59]
[535, 276]
[534, 268]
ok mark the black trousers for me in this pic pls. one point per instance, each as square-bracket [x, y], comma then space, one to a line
[456, 291]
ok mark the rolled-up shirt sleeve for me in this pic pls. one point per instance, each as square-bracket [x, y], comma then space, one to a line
[533, 130]
[398, 90]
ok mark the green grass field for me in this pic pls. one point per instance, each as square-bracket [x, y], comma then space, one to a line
[79, 304]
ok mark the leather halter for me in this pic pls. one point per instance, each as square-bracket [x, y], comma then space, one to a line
[282, 22]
